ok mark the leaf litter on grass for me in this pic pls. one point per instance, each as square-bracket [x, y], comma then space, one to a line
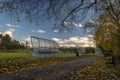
[96, 71]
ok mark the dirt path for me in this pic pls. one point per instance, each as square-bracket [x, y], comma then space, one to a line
[53, 72]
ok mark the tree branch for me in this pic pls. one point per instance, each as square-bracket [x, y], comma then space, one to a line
[62, 22]
[77, 8]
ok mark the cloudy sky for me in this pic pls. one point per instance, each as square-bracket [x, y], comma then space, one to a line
[22, 31]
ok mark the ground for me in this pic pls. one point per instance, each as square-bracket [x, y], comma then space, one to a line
[61, 71]
[97, 71]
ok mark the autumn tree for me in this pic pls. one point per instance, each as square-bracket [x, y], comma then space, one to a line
[110, 41]
[105, 37]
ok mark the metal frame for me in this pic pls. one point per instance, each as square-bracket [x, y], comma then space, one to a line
[44, 46]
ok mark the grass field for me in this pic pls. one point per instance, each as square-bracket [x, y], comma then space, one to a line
[11, 61]
[17, 54]
[14, 54]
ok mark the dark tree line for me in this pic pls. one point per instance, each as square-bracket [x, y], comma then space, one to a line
[6, 43]
[73, 49]
[67, 49]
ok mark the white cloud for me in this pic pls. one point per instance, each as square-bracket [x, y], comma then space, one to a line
[9, 32]
[56, 39]
[12, 26]
[90, 36]
[77, 24]
[76, 41]
[66, 23]
[91, 21]
[12, 30]
[56, 31]
[27, 38]
[41, 31]
[33, 30]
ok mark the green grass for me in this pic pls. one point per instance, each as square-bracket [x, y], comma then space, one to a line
[18, 53]
[14, 54]
[58, 55]
[66, 54]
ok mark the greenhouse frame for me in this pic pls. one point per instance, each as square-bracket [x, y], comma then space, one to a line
[44, 46]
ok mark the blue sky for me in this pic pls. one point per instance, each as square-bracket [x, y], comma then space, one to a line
[22, 31]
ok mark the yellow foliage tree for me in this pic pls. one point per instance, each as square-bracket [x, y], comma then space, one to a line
[105, 36]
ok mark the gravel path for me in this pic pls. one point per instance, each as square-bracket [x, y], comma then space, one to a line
[61, 71]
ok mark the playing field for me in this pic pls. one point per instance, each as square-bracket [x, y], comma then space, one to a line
[14, 54]
[11, 61]
[21, 54]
